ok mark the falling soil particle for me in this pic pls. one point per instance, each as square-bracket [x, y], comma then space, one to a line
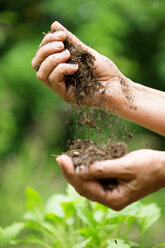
[86, 152]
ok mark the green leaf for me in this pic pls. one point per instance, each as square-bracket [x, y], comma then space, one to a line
[74, 196]
[33, 199]
[88, 232]
[159, 246]
[117, 243]
[9, 233]
[35, 205]
[82, 244]
[53, 218]
[32, 224]
[33, 239]
[58, 205]
[99, 232]
[86, 216]
[68, 208]
[148, 215]
[131, 210]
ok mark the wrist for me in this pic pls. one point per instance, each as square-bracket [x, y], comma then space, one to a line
[135, 102]
[117, 96]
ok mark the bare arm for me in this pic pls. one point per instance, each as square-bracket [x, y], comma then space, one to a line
[142, 105]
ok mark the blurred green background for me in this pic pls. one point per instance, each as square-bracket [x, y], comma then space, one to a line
[32, 126]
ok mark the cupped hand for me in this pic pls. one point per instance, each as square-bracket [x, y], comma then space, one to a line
[139, 173]
[51, 65]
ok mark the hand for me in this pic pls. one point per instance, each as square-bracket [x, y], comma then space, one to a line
[51, 65]
[139, 173]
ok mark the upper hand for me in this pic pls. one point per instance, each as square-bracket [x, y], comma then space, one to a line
[139, 173]
[51, 65]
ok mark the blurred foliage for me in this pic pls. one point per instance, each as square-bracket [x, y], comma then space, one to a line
[32, 126]
[71, 221]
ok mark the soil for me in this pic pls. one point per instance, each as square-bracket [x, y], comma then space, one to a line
[86, 152]
[84, 80]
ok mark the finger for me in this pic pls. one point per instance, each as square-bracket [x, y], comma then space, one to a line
[56, 78]
[115, 168]
[50, 63]
[45, 51]
[66, 165]
[55, 36]
[56, 26]
[95, 192]
[90, 189]
[115, 199]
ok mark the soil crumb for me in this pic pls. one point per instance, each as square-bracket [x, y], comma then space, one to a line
[86, 152]
[84, 80]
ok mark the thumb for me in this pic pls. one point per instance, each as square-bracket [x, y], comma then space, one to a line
[105, 169]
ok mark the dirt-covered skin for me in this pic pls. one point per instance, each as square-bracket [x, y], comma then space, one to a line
[84, 80]
[85, 152]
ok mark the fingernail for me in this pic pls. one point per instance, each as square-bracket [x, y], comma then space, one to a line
[74, 65]
[66, 51]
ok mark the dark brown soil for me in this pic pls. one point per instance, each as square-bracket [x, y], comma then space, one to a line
[86, 152]
[84, 80]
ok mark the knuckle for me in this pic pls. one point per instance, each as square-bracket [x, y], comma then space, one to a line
[60, 57]
[39, 76]
[42, 51]
[47, 38]
[66, 52]
[61, 67]
[62, 34]
[99, 171]
[60, 44]
[51, 78]
[51, 60]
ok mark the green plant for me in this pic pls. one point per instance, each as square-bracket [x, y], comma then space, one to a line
[71, 221]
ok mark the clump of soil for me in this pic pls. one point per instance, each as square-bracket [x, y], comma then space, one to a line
[84, 80]
[86, 152]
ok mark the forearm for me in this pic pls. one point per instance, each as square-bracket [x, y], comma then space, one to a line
[142, 105]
